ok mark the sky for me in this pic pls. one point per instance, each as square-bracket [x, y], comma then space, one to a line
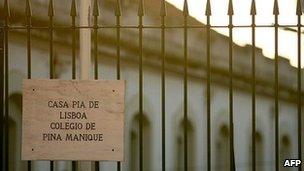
[242, 36]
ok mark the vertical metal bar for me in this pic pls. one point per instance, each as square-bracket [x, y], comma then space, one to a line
[118, 14]
[52, 75]
[299, 13]
[208, 98]
[2, 93]
[73, 14]
[52, 67]
[276, 67]
[231, 129]
[74, 163]
[232, 165]
[51, 34]
[140, 49]
[253, 86]
[276, 102]
[163, 84]
[6, 84]
[208, 49]
[299, 94]
[118, 47]
[6, 98]
[186, 13]
[118, 26]
[95, 29]
[140, 94]
[28, 38]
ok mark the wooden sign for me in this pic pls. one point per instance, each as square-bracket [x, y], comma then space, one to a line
[73, 120]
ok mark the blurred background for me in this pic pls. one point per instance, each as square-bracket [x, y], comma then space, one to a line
[174, 79]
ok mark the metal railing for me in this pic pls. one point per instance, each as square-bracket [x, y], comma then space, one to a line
[6, 28]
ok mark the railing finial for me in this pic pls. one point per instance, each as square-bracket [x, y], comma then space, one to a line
[73, 11]
[51, 9]
[253, 8]
[186, 10]
[230, 8]
[118, 8]
[276, 8]
[141, 11]
[95, 8]
[163, 9]
[299, 7]
[208, 9]
[28, 8]
[7, 13]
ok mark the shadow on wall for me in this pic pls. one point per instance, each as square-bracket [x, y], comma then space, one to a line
[179, 165]
[259, 143]
[179, 144]
[285, 150]
[15, 101]
[134, 145]
[222, 148]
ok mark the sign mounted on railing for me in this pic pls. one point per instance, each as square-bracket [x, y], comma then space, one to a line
[73, 120]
